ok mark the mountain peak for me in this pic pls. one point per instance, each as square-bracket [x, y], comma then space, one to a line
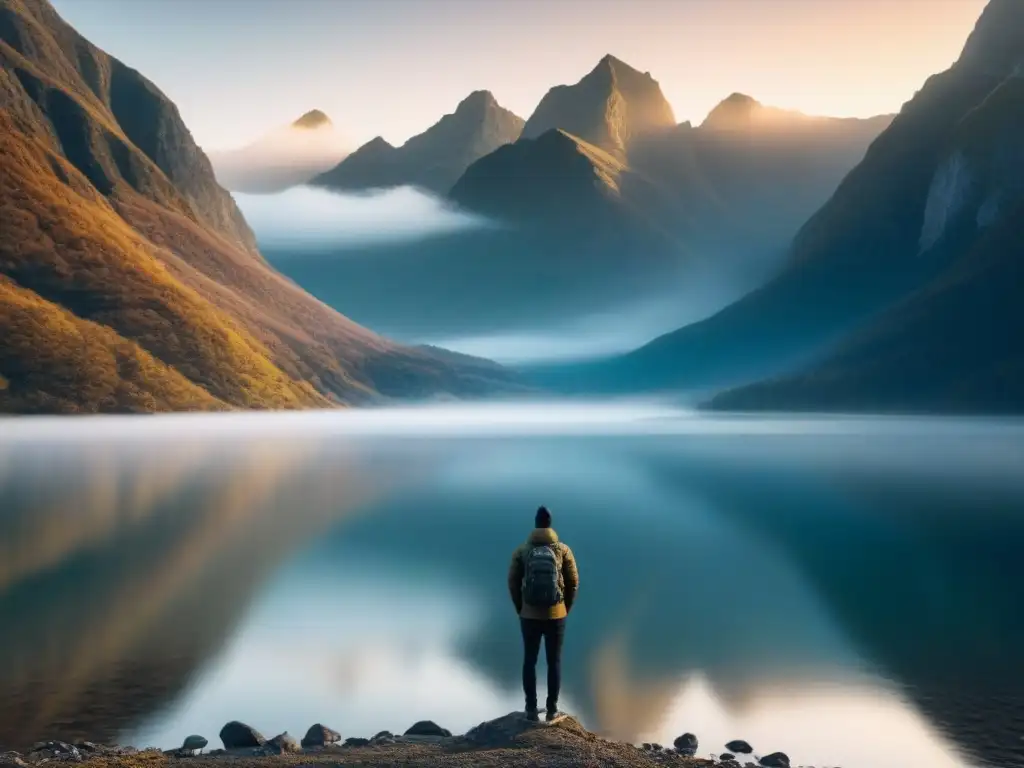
[477, 100]
[996, 46]
[609, 107]
[618, 68]
[736, 110]
[376, 144]
[312, 119]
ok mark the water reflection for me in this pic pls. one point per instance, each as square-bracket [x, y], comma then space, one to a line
[124, 571]
[797, 584]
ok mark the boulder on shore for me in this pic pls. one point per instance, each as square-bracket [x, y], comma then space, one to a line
[427, 728]
[775, 760]
[236, 735]
[281, 744]
[504, 731]
[193, 742]
[686, 744]
[356, 741]
[739, 746]
[320, 735]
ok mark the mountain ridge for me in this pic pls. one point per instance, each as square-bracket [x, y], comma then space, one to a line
[435, 159]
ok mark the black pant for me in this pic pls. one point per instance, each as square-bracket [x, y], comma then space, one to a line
[553, 632]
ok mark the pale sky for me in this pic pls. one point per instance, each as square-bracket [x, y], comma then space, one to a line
[238, 68]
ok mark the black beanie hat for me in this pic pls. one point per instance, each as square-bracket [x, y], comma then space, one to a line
[543, 518]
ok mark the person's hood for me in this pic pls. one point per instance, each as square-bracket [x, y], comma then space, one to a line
[540, 536]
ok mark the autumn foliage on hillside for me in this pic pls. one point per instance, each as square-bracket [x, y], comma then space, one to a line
[130, 280]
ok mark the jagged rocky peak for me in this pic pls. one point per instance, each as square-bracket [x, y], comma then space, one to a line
[620, 69]
[312, 119]
[996, 46]
[609, 107]
[477, 100]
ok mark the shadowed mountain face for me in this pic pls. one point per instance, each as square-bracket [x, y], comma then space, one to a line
[117, 234]
[955, 343]
[284, 158]
[927, 217]
[608, 108]
[434, 159]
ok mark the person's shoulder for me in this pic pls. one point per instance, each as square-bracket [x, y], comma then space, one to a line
[566, 549]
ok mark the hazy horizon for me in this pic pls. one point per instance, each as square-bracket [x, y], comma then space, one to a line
[237, 74]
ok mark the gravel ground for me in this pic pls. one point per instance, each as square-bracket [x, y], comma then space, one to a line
[508, 742]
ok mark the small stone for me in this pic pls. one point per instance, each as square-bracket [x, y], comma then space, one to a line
[775, 760]
[383, 735]
[656, 747]
[646, 747]
[320, 735]
[236, 735]
[686, 745]
[427, 728]
[194, 742]
[282, 743]
[356, 741]
[740, 746]
[726, 757]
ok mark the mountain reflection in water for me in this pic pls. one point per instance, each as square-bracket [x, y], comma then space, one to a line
[847, 590]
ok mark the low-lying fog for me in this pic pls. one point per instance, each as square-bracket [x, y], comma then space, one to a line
[415, 267]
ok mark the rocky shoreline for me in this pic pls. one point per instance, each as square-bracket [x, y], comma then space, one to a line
[511, 740]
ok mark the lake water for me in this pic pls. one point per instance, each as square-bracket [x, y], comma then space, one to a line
[847, 590]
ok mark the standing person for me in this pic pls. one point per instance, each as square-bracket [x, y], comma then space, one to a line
[543, 582]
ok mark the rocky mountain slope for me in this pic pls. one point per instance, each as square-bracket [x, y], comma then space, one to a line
[128, 278]
[291, 155]
[435, 159]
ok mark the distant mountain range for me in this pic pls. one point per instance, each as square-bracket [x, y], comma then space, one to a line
[903, 292]
[291, 155]
[129, 281]
[433, 160]
[601, 200]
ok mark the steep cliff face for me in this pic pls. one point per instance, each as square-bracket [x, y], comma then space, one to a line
[130, 280]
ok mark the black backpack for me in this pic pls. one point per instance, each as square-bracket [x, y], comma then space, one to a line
[540, 577]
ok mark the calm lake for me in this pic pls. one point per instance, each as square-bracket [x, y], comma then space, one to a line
[847, 590]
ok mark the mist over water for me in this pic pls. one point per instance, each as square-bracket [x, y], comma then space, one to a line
[787, 577]
[313, 220]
